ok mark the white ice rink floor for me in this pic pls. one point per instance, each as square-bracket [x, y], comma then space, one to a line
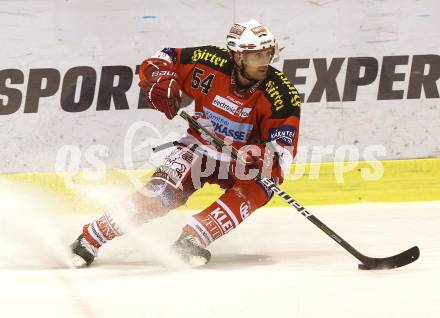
[276, 264]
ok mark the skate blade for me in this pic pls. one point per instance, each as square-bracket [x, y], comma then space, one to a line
[78, 261]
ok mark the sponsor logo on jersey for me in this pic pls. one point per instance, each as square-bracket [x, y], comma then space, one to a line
[227, 127]
[295, 99]
[274, 92]
[204, 55]
[283, 133]
[236, 101]
[230, 107]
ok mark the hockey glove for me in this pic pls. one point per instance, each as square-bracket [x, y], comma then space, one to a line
[159, 81]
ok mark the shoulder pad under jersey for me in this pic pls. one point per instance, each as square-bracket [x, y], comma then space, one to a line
[283, 96]
[214, 57]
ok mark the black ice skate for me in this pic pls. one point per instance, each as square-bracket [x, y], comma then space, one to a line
[83, 253]
[190, 250]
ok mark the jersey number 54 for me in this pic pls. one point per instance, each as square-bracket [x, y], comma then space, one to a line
[199, 80]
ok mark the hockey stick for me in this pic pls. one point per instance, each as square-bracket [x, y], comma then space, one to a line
[164, 146]
[395, 261]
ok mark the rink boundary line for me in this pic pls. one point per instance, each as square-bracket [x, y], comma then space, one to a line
[402, 181]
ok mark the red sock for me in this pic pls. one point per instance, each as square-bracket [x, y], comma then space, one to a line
[101, 230]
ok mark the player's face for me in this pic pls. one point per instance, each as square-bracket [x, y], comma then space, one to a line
[259, 58]
[256, 63]
[256, 72]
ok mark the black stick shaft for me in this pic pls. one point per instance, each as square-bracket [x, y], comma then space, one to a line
[302, 210]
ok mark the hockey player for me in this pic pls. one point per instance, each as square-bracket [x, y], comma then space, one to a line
[239, 97]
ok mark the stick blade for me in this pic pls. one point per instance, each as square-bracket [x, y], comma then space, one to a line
[399, 260]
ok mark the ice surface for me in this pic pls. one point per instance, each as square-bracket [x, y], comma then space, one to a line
[276, 264]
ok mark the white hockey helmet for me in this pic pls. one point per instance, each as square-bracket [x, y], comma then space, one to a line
[251, 36]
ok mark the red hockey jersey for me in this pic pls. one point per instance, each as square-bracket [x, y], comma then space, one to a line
[269, 112]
